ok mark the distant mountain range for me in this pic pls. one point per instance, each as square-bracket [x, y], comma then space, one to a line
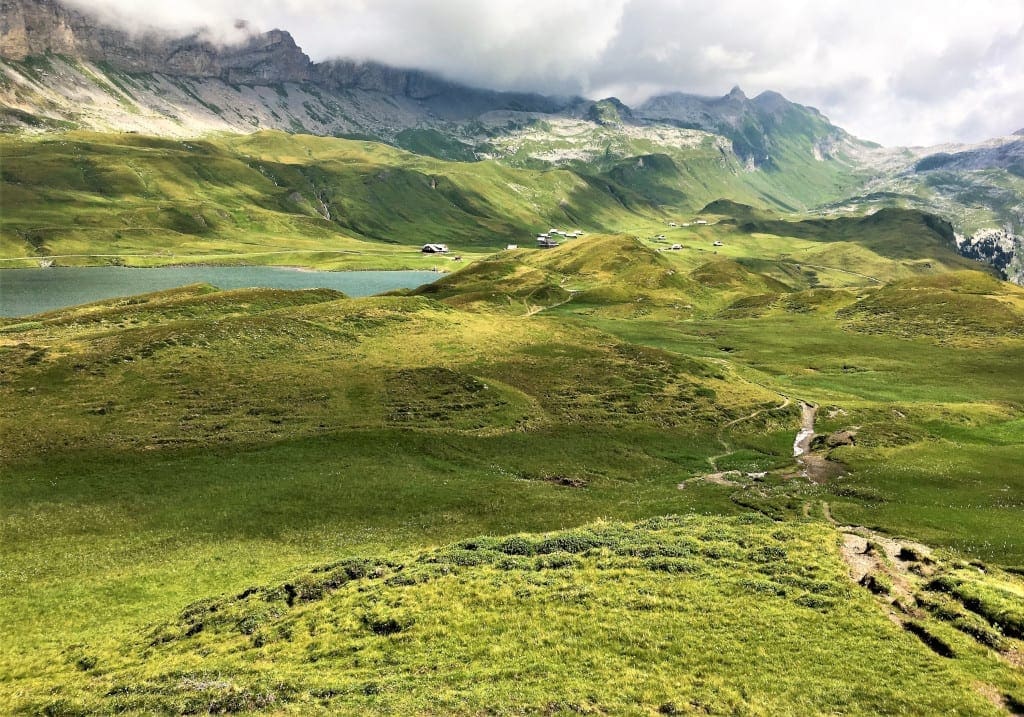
[63, 69]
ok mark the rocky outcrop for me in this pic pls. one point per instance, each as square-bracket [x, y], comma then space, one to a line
[374, 77]
[994, 247]
[38, 27]
[609, 112]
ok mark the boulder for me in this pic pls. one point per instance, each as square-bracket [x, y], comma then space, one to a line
[841, 438]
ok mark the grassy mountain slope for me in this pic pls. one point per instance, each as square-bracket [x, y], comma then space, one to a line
[355, 373]
[271, 197]
[289, 199]
[740, 254]
[125, 195]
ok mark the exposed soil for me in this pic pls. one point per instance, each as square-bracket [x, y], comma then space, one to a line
[874, 558]
[895, 571]
[814, 466]
[887, 553]
[802, 444]
[565, 481]
[725, 478]
[995, 696]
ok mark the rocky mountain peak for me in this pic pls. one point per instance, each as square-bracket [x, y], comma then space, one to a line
[609, 111]
[736, 94]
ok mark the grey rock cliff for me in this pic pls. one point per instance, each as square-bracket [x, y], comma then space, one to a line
[445, 99]
[39, 27]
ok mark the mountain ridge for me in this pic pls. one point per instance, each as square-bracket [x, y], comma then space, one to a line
[34, 28]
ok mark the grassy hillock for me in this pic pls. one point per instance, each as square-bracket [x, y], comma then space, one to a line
[958, 307]
[595, 270]
[809, 253]
[323, 364]
[606, 618]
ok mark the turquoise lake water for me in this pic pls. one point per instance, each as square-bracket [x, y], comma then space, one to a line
[24, 292]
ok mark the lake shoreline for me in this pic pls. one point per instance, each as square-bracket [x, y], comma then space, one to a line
[25, 291]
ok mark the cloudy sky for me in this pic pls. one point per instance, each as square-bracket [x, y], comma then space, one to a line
[895, 71]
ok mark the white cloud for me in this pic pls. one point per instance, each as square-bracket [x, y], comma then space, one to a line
[897, 71]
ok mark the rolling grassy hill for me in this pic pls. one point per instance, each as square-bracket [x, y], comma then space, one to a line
[554, 481]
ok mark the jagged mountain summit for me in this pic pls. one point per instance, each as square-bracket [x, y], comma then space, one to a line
[752, 124]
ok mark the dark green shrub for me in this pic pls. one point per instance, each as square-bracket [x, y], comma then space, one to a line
[386, 624]
[912, 554]
[549, 562]
[567, 543]
[516, 545]
[767, 554]
[763, 587]
[671, 565]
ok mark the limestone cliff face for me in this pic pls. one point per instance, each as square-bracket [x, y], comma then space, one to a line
[40, 27]
[35, 28]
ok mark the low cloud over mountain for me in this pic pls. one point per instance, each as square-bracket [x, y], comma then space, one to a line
[943, 70]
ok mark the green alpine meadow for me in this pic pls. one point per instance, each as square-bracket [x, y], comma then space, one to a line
[696, 405]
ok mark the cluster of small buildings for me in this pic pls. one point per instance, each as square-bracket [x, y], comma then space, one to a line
[548, 240]
[679, 247]
[675, 225]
